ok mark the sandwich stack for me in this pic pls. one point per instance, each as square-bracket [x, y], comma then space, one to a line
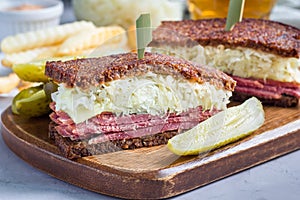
[263, 56]
[120, 102]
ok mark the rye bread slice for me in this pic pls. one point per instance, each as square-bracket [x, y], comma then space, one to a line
[264, 35]
[80, 148]
[88, 72]
[285, 100]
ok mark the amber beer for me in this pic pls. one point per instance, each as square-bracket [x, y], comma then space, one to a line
[200, 9]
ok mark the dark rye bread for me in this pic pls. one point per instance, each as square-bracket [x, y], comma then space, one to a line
[88, 72]
[264, 35]
[285, 100]
[80, 148]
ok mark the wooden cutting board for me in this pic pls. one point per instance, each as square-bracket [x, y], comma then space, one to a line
[151, 173]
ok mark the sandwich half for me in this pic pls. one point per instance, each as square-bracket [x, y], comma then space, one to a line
[120, 102]
[263, 56]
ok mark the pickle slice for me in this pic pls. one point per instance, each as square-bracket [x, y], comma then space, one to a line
[35, 71]
[31, 102]
[49, 88]
[223, 128]
[32, 72]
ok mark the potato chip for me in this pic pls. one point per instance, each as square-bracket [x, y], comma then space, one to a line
[132, 37]
[108, 49]
[8, 83]
[27, 56]
[45, 37]
[84, 52]
[88, 39]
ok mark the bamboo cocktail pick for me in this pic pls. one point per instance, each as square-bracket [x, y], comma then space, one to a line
[235, 13]
[143, 33]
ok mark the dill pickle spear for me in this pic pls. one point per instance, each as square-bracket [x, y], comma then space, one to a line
[49, 88]
[31, 102]
[35, 71]
[32, 72]
[221, 129]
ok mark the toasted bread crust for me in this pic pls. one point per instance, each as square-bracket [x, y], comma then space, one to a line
[265, 35]
[80, 148]
[285, 101]
[88, 72]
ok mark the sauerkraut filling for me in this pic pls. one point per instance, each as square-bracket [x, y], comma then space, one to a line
[156, 94]
[240, 61]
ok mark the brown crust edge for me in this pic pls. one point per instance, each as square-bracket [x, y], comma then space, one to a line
[88, 72]
[76, 149]
[265, 35]
[285, 101]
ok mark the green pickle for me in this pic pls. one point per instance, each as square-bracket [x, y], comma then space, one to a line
[35, 71]
[31, 102]
[32, 72]
[49, 88]
[34, 101]
[219, 130]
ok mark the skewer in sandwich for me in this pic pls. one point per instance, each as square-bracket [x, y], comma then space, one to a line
[120, 102]
[263, 56]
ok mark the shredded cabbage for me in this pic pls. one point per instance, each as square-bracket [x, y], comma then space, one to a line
[242, 62]
[151, 93]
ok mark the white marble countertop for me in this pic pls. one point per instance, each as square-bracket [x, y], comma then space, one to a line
[277, 179]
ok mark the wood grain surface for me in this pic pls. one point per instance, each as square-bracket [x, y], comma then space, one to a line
[151, 173]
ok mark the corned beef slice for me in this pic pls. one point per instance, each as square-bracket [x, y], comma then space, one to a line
[107, 126]
[268, 89]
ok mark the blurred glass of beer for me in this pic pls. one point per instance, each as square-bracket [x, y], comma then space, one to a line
[200, 9]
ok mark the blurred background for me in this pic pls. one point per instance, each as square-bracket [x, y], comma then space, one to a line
[124, 12]
[286, 11]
